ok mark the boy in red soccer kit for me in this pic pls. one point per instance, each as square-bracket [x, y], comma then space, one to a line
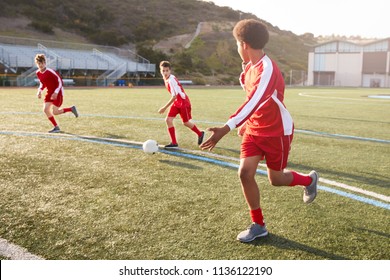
[265, 125]
[179, 104]
[50, 80]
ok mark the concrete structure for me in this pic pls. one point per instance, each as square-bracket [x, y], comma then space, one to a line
[344, 63]
[108, 64]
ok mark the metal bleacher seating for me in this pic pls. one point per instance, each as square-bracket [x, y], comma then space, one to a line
[109, 62]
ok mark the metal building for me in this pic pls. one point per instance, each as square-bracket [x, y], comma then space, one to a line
[350, 64]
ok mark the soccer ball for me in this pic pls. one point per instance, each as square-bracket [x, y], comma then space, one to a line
[150, 146]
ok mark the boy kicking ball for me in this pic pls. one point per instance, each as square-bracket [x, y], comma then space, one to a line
[50, 80]
[179, 104]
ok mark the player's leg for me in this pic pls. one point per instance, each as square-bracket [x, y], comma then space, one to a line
[72, 109]
[250, 158]
[292, 178]
[185, 114]
[171, 129]
[47, 109]
[57, 111]
[276, 154]
[250, 189]
[57, 104]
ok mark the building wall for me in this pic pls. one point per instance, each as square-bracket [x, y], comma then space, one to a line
[341, 63]
[345, 68]
[348, 69]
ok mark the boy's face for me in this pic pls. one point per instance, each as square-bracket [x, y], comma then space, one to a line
[242, 51]
[165, 72]
[41, 65]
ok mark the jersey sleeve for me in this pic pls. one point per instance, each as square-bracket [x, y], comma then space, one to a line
[174, 86]
[58, 79]
[41, 86]
[255, 99]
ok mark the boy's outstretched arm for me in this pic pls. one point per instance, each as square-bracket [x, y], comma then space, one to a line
[162, 109]
[216, 135]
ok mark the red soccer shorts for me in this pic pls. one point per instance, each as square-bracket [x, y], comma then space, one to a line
[275, 150]
[185, 113]
[57, 102]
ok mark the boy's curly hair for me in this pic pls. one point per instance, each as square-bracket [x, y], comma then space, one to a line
[252, 32]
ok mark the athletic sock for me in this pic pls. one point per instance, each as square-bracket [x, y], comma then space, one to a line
[52, 120]
[257, 216]
[300, 179]
[196, 130]
[67, 110]
[172, 134]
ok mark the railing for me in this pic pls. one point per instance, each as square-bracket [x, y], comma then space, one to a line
[114, 61]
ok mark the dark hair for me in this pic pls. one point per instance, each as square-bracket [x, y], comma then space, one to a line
[165, 63]
[252, 32]
[40, 58]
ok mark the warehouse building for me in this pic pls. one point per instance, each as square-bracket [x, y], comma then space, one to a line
[350, 64]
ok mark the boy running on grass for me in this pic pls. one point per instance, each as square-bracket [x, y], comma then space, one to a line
[178, 104]
[265, 125]
[50, 80]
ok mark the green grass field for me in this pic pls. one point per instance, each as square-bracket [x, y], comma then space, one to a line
[91, 193]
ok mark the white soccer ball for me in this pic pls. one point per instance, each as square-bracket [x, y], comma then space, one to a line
[150, 146]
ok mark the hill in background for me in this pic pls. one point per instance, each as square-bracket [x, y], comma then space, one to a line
[195, 35]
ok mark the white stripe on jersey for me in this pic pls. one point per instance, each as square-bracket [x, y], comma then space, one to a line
[249, 107]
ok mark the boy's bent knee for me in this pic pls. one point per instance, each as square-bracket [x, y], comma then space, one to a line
[276, 181]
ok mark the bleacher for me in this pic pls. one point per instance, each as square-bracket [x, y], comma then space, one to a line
[109, 64]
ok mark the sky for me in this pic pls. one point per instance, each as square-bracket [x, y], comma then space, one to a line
[367, 19]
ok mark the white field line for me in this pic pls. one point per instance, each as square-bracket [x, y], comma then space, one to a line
[355, 189]
[15, 252]
[322, 180]
[332, 97]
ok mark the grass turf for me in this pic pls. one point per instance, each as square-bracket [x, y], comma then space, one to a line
[69, 198]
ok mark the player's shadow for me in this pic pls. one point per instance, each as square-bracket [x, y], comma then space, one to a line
[233, 151]
[375, 232]
[180, 164]
[110, 138]
[286, 244]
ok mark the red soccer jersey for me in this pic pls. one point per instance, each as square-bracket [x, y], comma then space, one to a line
[175, 89]
[51, 80]
[263, 111]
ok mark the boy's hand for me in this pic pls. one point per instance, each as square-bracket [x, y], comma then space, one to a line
[216, 135]
[241, 130]
[39, 94]
[54, 96]
[161, 110]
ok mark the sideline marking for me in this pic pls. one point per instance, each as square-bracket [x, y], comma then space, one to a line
[342, 136]
[379, 96]
[15, 252]
[333, 97]
[317, 133]
[182, 153]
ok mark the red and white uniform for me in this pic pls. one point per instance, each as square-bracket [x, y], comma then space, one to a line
[175, 89]
[52, 81]
[263, 111]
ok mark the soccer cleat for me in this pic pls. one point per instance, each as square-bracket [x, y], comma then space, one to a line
[170, 145]
[310, 192]
[74, 111]
[200, 138]
[56, 129]
[254, 231]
